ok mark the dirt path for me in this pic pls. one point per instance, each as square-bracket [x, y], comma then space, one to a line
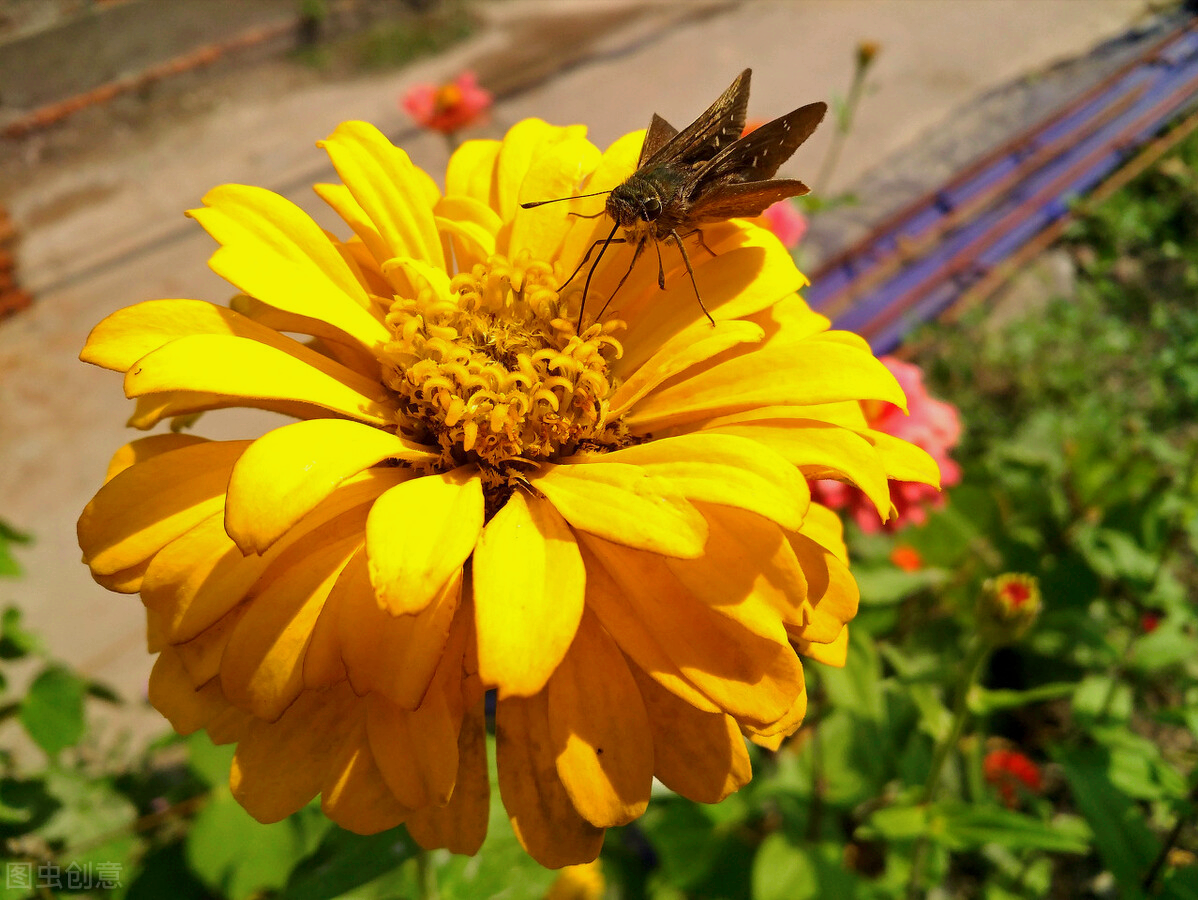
[105, 230]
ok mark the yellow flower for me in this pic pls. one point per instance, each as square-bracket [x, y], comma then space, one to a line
[581, 882]
[612, 530]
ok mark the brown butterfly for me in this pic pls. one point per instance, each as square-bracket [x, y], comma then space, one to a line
[705, 173]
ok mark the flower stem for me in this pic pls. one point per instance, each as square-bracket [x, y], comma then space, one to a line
[844, 126]
[971, 668]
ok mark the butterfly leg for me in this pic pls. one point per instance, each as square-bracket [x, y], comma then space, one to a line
[702, 243]
[635, 256]
[690, 271]
[587, 286]
[661, 269]
[601, 241]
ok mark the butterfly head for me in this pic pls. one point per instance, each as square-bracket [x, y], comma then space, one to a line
[634, 203]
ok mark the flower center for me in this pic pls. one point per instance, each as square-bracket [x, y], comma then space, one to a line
[495, 373]
[447, 97]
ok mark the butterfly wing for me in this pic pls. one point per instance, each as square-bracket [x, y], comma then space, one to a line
[743, 200]
[659, 133]
[705, 137]
[757, 155]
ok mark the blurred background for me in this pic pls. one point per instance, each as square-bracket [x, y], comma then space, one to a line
[1017, 169]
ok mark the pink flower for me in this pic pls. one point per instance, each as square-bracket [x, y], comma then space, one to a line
[449, 107]
[786, 222]
[932, 425]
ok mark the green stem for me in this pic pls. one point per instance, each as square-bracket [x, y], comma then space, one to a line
[972, 668]
[844, 126]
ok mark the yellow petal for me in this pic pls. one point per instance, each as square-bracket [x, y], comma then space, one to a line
[524, 142]
[153, 408]
[471, 172]
[678, 354]
[626, 504]
[338, 196]
[750, 272]
[819, 449]
[354, 794]
[280, 766]
[286, 473]
[834, 654]
[735, 666]
[145, 448]
[172, 694]
[529, 584]
[819, 369]
[197, 578]
[461, 825]
[150, 504]
[372, 640]
[599, 727]
[727, 470]
[697, 754]
[473, 225]
[555, 172]
[419, 534]
[543, 817]
[272, 250]
[750, 572]
[202, 654]
[786, 724]
[832, 594]
[824, 527]
[237, 367]
[388, 188]
[262, 669]
[624, 622]
[903, 460]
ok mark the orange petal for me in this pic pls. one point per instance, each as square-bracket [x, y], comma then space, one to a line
[262, 668]
[461, 825]
[280, 766]
[371, 640]
[150, 504]
[416, 751]
[600, 730]
[543, 817]
[529, 584]
[354, 794]
[700, 755]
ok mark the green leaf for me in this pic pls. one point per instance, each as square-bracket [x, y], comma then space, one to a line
[209, 762]
[15, 641]
[961, 827]
[93, 822]
[219, 848]
[1121, 835]
[52, 710]
[857, 686]
[885, 585]
[345, 861]
[1166, 647]
[783, 870]
[164, 873]
[9, 535]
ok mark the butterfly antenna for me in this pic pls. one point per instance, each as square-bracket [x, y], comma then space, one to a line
[686, 259]
[587, 286]
[535, 203]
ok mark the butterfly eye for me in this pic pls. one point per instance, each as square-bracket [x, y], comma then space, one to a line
[652, 207]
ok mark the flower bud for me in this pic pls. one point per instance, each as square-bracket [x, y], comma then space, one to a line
[1008, 606]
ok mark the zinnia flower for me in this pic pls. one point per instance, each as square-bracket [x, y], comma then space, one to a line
[612, 530]
[1007, 770]
[928, 423]
[449, 107]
